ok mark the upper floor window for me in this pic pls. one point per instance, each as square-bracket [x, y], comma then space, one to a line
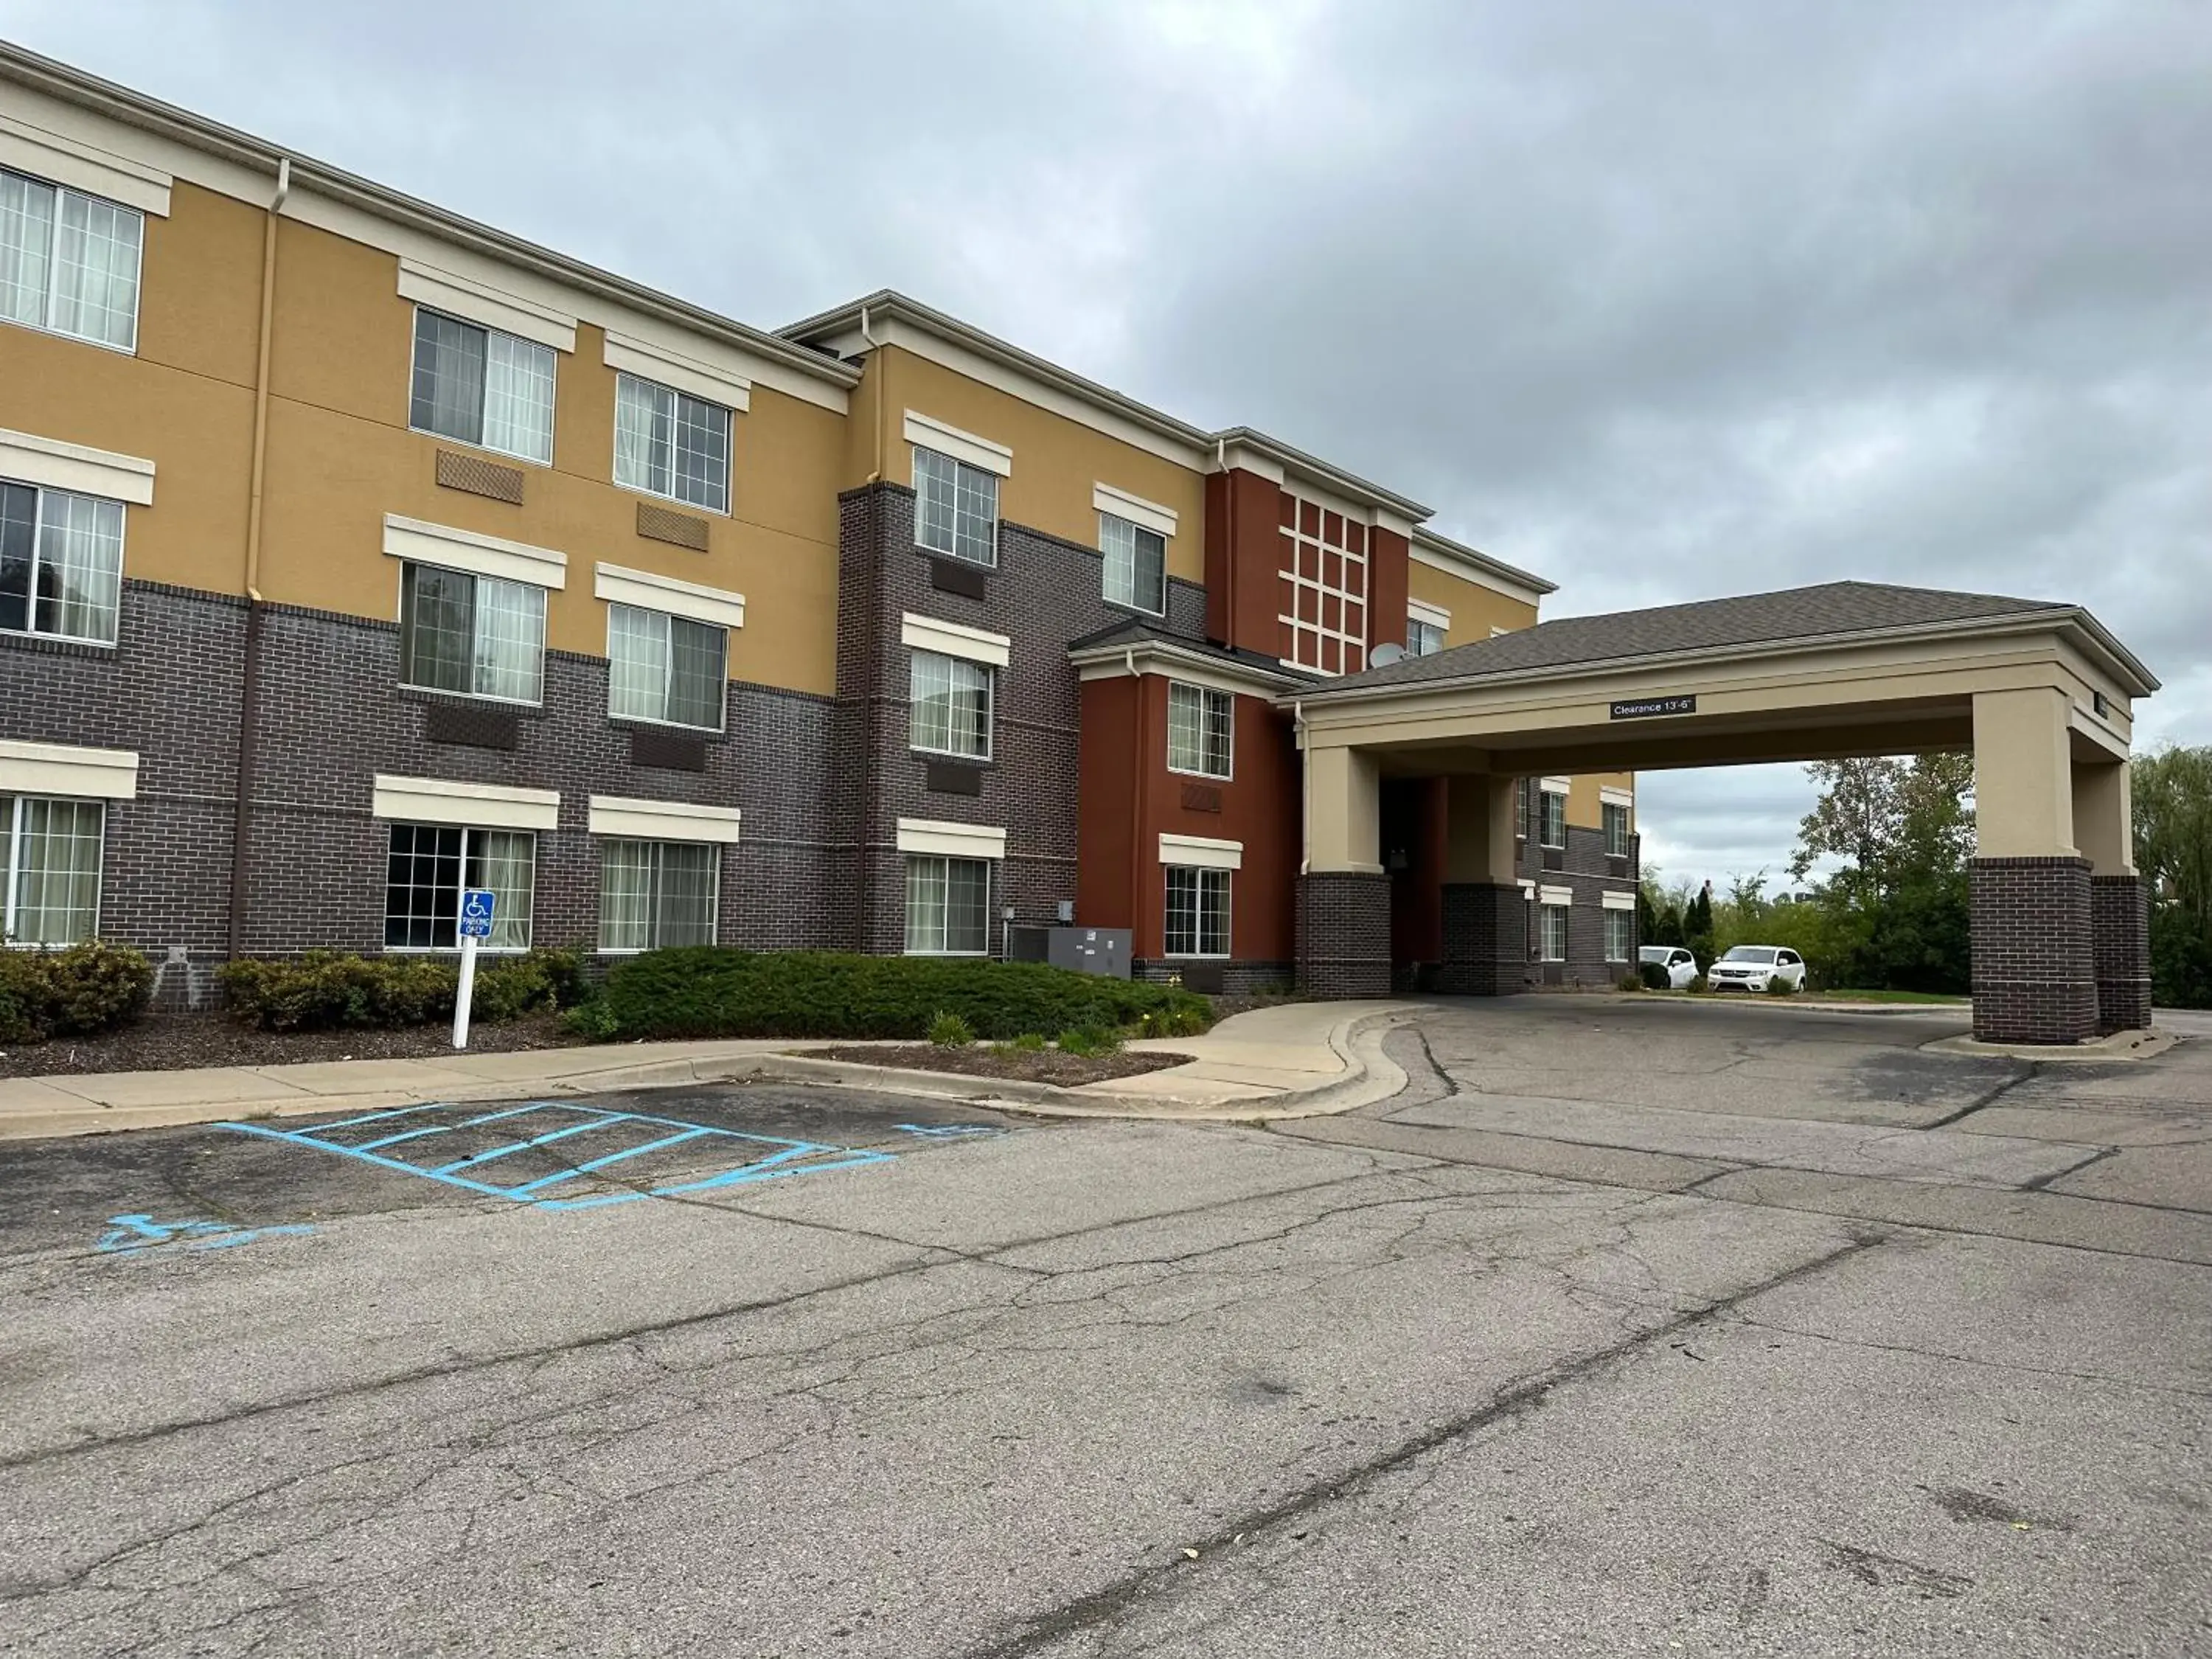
[1521, 809]
[68, 262]
[61, 564]
[1616, 829]
[1423, 638]
[1136, 564]
[665, 668]
[955, 508]
[1201, 730]
[951, 705]
[52, 878]
[478, 385]
[427, 866]
[1324, 588]
[474, 634]
[1554, 819]
[670, 443]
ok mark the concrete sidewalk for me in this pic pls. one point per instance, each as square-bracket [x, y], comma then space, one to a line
[1291, 1060]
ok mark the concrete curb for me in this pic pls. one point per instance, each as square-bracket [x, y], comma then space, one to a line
[2120, 1046]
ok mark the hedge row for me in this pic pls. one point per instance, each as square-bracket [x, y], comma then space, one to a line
[86, 988]
[327, 991]
[705, 991]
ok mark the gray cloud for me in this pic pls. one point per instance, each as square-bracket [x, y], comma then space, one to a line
[1663, 299]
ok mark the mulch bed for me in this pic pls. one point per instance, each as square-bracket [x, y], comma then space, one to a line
[1045, 1066]
[162, 1042]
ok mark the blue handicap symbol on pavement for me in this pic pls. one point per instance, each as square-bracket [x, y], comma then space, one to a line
[129, 1233]
[949, 1130]
[478, 904]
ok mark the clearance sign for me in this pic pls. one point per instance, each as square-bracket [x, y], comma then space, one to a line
[1643, 709]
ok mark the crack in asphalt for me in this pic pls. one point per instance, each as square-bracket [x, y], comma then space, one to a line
[1989, 1097]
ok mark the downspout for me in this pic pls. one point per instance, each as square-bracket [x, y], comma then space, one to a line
[1305, 787]
[865, 883]
[1139, 793]
[250, 678]
[874, 345]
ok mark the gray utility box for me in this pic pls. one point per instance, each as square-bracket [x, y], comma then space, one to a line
[1085, 950]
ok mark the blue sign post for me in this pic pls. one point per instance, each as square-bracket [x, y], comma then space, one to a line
[478, 906]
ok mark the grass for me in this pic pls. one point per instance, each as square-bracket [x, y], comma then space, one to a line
[1886, 996]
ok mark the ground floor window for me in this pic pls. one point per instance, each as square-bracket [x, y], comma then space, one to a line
[1554, 922]
[1619, 935]
[53, 869]
[948, 905]
[428, 865]
[657, 894]
[1198, 911]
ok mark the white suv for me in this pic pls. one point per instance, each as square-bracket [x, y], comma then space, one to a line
[1681, 966]
[1756, 967]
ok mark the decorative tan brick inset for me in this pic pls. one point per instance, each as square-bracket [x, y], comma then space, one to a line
[479, 477]
[1486, 935]
[658, 524]
[1344, 934]
[2119, 937]
[2034, 975]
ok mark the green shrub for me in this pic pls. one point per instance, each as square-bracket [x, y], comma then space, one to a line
[1697, 986]
[328, 990]
[1029, 1042]
[1631, 981]
[76, 992]
[949, 1030]
[1090, 1041]
[1780, 987]
[706, 991]
[1652, 976]
[1180, 1021]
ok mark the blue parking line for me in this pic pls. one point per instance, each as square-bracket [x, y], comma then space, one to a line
[405, 1135]
[366, 1157]
[691, 1133]
[512, 1111]
[374, 1117]
[751, 1172]
[474, 1158]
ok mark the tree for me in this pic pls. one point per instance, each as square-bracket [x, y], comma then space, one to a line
[1697, 925]
[1898, 909]
[2172, 792]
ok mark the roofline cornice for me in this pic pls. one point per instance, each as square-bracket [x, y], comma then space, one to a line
[73, 86]
[1494, 571]
[1163, 655]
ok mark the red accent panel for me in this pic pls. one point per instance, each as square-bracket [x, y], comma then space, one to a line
[1106, 816]
[1243, 558]
[1386, 588]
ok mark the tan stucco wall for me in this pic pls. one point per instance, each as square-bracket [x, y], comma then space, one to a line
[1476, 611]
[1056, 460]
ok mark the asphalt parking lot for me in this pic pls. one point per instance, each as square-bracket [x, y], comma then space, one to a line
[1625, 1329]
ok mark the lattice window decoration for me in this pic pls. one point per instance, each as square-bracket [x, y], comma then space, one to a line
[1324, 588]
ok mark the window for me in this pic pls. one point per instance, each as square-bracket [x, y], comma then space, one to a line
[1521, 809]
[669, 443]
[951, 705]
[1324, 588]
[53, 869]
[1554, 917]
[474, 634]
[665, 668]
[68, 262]
[955, 508]
[482, 387]
[1201, 730]
[948, 905]
[1136, 564]
[1616, 829]
[61, 564]
[1619, 935]
[428, 865]
[656, 894]
[1198, 911]
[1423, 639]
[1555, 817]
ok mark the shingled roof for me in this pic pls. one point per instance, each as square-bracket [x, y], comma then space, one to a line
[1792, 616]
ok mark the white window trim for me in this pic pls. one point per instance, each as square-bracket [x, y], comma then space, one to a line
[948, 639]
[680, 372]
[470, 806]
[1557, 785]
[54, 768]
[644, 591]
[1612, 901]
[1528, 889]
[478, 302]
[1201, 852]
[960, 446]
[418, 542]
[11, 874]
[1228, 919]
[1612, 795]
[1146, 515]
[623, 819]
[1229, 776]
[1626, 955]
[25, 458]
[1435, 615]
[713, 906]
[952, 840]
[83, 168]
[1562, 897]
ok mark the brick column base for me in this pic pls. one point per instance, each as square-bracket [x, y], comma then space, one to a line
[1485, 941]
[2034, 975]
[1344, 934]
[2119, 934]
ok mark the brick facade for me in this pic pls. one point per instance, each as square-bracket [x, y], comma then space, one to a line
[1344, 934]
[2035, 977]
[2119, 939]
[1584, 867]
[1485, 941]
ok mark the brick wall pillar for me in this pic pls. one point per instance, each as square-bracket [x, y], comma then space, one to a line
[2119, 934]
[1344, 934]
[1485, 930]
[2034, 973]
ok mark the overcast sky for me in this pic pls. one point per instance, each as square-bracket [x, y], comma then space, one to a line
[1664, 300]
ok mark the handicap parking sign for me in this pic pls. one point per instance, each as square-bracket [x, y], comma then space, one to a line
[478, 904]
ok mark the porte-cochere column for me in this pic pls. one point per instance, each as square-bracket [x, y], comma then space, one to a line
[1344, 896]
[1486, 920]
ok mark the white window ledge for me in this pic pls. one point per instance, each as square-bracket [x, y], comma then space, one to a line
[953, 640]
[478, 302]
[1557, 785]
[418, 542]
[1562, 896]
[1202, 852]
[716, 606]
[54, 768]
[1150, 515]
[1610, 900]
[957, 840]
[960, 446]
[1613, 795]
[71, 161]
[663, 820]
[650, 360]
[28, 459]
[1435, 615]
[478, 806]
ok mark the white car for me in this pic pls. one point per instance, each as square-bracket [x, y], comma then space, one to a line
[1756, 967]
[1681, 966]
